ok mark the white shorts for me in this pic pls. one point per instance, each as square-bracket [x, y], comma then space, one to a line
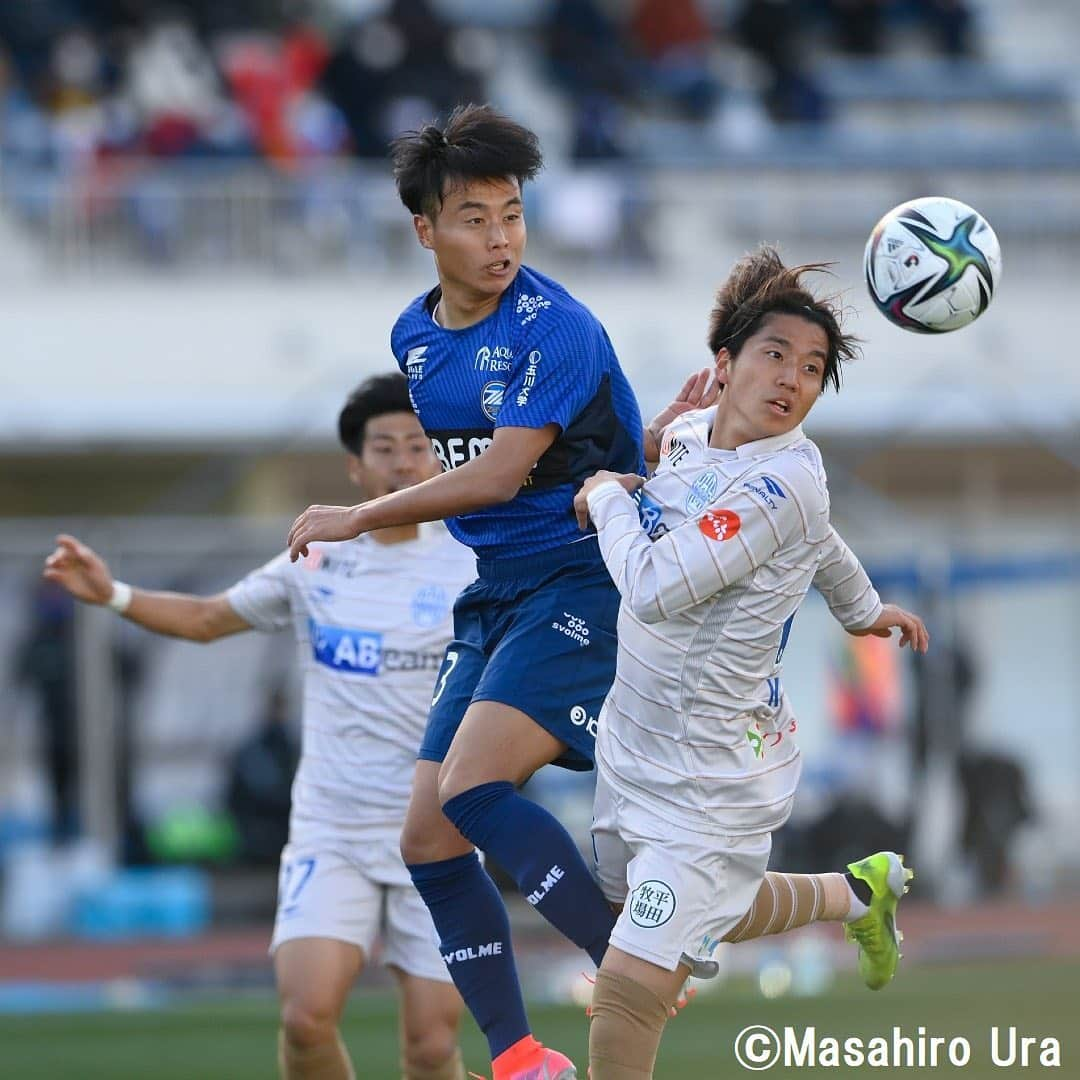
[681, 891]
[355, 893]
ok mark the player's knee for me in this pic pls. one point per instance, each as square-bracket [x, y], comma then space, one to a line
[422, 844]
[305, 1024]
[452, 781]
[426, 1052]
[414, 845]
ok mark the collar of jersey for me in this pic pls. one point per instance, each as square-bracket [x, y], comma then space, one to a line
[433, 298]
[758, 446]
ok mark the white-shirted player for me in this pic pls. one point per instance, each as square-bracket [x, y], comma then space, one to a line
[695, 751]
[372, 617]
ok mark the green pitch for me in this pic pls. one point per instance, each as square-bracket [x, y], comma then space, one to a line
[234, 1039]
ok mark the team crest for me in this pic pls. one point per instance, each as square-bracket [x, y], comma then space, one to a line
[702, 492]
[430, 606]
[491, 399]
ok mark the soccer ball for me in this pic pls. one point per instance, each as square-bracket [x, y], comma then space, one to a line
[932, 265]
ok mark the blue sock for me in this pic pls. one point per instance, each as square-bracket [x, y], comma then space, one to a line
[474, 934]
[538, 853]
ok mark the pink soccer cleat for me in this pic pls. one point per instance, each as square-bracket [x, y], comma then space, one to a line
[529, 1060]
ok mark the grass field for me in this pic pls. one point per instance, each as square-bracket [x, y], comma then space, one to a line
[233, 1039]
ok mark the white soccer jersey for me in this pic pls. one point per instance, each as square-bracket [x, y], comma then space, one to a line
[372, 621]
[712, 561]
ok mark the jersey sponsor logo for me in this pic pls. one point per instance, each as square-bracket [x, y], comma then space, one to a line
[530, 307]
[410, 660]
[430, 606]
[574, 628]
[761, 741]
[579, 717]
[652, 904]
[765, 489]
[352, 652]
[551, 879]
[496, 358]
[454, 448]
[702, 491]
[473, 952]
[491, 399]
[530, 378]
[414, 363]
[650, 514]
[675, 450]
[720, 524]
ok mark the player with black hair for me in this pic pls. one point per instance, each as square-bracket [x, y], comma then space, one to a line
[522, 395]
[371, 618]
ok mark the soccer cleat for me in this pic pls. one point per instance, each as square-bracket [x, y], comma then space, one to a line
[875, 932]
[530, 1060]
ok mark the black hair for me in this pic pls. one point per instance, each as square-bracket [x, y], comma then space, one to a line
[380, 394]
[760, 285]
[477, 143]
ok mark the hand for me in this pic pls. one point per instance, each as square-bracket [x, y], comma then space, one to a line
[323, 523]
[698, 392]
[912, 630]
[630, 481]
[80, 570]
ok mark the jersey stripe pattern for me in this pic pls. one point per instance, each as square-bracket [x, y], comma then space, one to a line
[712, 561]
[540, 358]
[371, 621]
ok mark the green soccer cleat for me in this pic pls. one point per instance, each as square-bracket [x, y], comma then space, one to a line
[875, 932]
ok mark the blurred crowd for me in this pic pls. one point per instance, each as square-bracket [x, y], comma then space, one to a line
[287, 80]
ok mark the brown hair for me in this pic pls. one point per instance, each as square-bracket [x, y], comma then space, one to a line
[760, 285]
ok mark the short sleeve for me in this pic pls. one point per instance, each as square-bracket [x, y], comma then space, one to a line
[262, 598]
[555, 376]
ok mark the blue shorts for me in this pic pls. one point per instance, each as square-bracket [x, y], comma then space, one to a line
[536, 633]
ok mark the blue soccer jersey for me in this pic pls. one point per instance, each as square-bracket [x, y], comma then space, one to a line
[540, 358]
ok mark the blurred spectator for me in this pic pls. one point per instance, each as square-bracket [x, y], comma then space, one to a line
[857, 26]
[588, 59]
[864, 686]
[174, 87]
[996, 804]
[259, 784]
[773, 30]
[676, 42]
[949, 23]
[993, 788]
[398, 71]
[275, 81]
[862, 27]
[45, 663]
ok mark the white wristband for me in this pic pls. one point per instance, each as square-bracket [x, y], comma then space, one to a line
[120, 600]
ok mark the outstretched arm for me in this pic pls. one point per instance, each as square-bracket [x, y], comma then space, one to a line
[495, 476]
[854, 602]
[83, 573]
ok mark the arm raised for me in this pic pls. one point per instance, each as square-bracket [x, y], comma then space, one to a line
[83, 573]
